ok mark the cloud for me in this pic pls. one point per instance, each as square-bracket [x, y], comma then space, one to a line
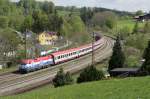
[127, 5]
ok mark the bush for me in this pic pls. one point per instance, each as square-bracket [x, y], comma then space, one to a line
[90, 74]
[62, 79]
[69, 79]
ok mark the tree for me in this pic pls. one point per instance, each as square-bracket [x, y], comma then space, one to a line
[105, 19]
[62, 79]
[117, 59]
[86, 14]
[28, 5]
[27, 24]
[59, 79]
[41, 21]
[135, 29]
[90, 74]
[48, 7]
[146, 56]
[139, 12]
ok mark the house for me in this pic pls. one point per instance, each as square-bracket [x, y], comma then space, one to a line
[3, 64]
[47, 38]
[142, 18]
[124, 72]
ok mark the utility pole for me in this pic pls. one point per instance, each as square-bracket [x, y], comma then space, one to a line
[93, 39]
[26, 44]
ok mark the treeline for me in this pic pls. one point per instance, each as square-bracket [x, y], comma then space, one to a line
[29, 15]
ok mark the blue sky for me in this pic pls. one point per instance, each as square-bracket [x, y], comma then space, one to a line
[127, 5]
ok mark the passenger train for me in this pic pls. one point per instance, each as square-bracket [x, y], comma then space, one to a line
[29, 65]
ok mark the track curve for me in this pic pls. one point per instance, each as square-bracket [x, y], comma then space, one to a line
[15, 84]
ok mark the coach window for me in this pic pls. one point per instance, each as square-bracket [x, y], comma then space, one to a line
[59, 57]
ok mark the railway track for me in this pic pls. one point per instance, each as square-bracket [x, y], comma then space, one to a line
[15, 84]
[15, 75]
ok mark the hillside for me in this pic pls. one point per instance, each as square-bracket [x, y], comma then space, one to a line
[128, 88]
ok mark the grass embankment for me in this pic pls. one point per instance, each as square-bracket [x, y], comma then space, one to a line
[5, 70]
[129, 24]
[128, 88]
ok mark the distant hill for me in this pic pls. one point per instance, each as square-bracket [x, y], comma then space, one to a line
[128, 88]
[96, 9]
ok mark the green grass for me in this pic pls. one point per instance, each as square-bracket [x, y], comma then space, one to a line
[4, 70]
[128, 88]
[129, 24]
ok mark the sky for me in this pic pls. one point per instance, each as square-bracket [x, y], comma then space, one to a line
[125, 5]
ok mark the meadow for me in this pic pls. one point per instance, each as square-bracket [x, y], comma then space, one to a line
[128, 88]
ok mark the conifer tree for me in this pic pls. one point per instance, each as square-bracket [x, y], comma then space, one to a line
[117, 59]
[62, 79]
[59, 79]
[146, 56]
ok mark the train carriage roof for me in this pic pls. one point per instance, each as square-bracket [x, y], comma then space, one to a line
[69, 50]
[29, 61]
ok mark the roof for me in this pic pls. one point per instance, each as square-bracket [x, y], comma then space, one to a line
[142, 16]
[125, 70]
[28, 61]
[49, 32]
[69, 50]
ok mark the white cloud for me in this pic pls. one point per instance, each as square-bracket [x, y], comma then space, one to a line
[128, 5]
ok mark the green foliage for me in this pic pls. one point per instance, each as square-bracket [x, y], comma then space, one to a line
[146, 56]
[28, 6]
[69, 79]
[117, 59]
[74, 29]
[132, 61]
[90, 74]
[48, 7]
[136, 28]
[77, 24]
[105, 19]
[133, 55]
[139, 12]
[59, 79]
[147, 27]
[86, 14]
[4, 22]
[11, 36]
[138, 41]
[40, 21]
[62, 79]
[27, 24]
[124, 32]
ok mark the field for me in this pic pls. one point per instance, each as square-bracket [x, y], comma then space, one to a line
[128, 88]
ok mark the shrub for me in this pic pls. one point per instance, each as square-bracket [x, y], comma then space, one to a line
[90, 74]
[62, 79]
